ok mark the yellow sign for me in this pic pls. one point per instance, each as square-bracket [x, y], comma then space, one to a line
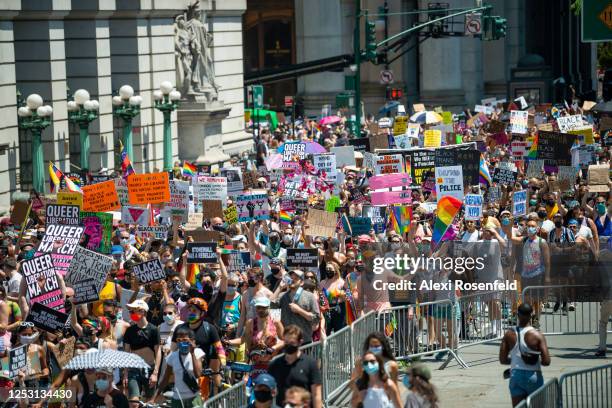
[433, 138]
[399, 125]
[586, 132]
[606, 16]
[68, 198]
[447, 118]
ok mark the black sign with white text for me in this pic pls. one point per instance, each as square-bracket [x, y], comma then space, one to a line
[149, 271]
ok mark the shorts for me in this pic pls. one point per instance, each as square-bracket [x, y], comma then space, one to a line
[524, 382]
[446, 311]
[537, 280]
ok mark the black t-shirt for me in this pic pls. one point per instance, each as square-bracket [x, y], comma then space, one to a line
[205, 336]
[138, 338]
[272, 282]
[154, 315]
[303, 373]
[93, 400]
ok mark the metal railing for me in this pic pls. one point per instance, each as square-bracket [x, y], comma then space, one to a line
[361, 329]
[591, 387]
[337, 362]
[234, 397]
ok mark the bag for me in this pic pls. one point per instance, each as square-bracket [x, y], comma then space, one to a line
[528, 358]
[190, 381]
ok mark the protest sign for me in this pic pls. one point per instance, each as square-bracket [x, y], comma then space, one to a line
[17, 360]
[369, 160]
[432, 138]
[469, 160]
[101, 197]
[238, 261]
[253, 207]
[326, 163]
[473, 207]
[418, 107]
[382, 181]
[389, 163]
[149, 271]
[233, 175]
[332, 203]
[519, 203]
[449, 182]
[46, 318]
[494, 194]
[64, 351]
[377, 215]
[61, 241]
[504, 177]
[391, 197]
[98, 231]
[379, 141]
[566, 177]
[302, 258]
[202, 235]
[148, 188]
[400, 124]
[321, 223]
[87, 275]
[555, 148]
[345, 156]
[567, 123]
[582, 156]
[211, 188]
[179, 200]
[445, 157]
[122, 191]
[230, 214]
[211, 209]
[62, 214]
[599, 178]
[19, 212]
[534, 169]
[422, 161]
[447, 118]
[152, 231]
[357, 225]
[202, 252]
[70, 198]
[519, 121]
[361, 144]
[293, 151]
[249, 180]
[135, 215]
[519, 149]
[584, 133]
[76, 178]
[403, 141]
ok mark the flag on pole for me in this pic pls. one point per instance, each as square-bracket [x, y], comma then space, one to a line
[485, 176]
[532, 154]
[390, 326]
[126, 164]
[189, 169]
[448, 207]
[54, 177]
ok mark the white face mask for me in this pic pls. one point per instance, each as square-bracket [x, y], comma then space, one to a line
[28, 339]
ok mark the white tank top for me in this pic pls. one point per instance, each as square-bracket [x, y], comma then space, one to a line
[516, 362]
[376, 398]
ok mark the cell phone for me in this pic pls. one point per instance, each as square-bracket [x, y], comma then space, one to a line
[506, 374]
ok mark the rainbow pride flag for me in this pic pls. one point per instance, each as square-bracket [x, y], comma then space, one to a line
[126, 164]
[285, 217]
[390, 326]
[399, 219]
[55, 176]
[349, 305]
[533, 150]
[483, 170]
[189, 169]
[448, 207]
[193, 270]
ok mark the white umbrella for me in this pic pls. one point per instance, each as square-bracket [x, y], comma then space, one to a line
[106, 359]
[426, 117]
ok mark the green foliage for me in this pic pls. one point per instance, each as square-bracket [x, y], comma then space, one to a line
[577, 7]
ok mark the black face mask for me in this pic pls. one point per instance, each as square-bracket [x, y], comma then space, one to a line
[88, 332]
[290, 348]
[330, 274]
[558, 224]
[110, 316]
[263, 395]
[550, 202]
[542, 214]
[251, 283]
[274, 271]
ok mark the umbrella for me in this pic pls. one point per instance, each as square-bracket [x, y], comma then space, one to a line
[426, 117]
[106, 359]
[330, 120]
[603, 107]
[311, 147]
[389, 106]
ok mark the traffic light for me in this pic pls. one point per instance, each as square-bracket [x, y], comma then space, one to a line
[394, 94]
[494, 27]
[370, 39]
[437, 10]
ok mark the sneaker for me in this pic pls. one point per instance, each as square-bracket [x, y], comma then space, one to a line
[441, 355]
[572, 307]
[600, 353]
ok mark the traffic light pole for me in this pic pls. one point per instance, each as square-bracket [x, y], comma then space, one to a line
[357, 52]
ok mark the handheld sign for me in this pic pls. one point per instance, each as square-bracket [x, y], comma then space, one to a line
[202, 252]
[47, 319]
[239, 261]
[101, 197]
[473, 207]
[302, 257]
[62, 214]
[42, 281]
[149, 188]
[149, 271]
[519, 201]
[17, 360]
[87, 274]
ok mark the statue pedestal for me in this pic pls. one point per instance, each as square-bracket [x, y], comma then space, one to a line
[200, 138]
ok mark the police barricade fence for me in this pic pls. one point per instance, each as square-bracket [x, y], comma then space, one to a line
[337, 362]
[482, 317]
[234, 397]
[591, 387]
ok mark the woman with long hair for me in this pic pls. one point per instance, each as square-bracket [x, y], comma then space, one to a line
[377, 343]
[422, 393]
[374, 389]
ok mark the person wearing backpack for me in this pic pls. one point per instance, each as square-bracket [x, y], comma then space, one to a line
[562, 246]
[525, 349]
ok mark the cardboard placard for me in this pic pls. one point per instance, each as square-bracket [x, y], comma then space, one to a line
[18, 360]
[42, 281]
[534, 169]
[64, 351]
[567, 123]
[210, 188]
[249, 180]
[432, 138]
[47, 319]
[519, 203]
[87, 275]
[326, 164]
[20, 212]
[148, 188]
[238, 261]
[473, 207]
[212, 208]
[101, 197]
[202, 252]
[194, 221]
[62, 214]
[230, 214]
[321, 223]
[449, 182]
[345, 155]
[152, 232]
[135, 215]
[61, 241]
[566, 177]
[599, 177]
[379, 141]
[302, 258]
[253, 207]
[378, 216]
[202, 235]
[149, 271]
[98, 230]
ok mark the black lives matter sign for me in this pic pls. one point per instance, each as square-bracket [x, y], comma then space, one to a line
[47, 319]
[202, 252]
[302, 257]
[149, 271]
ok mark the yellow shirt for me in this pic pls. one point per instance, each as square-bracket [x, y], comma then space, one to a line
[107, 293]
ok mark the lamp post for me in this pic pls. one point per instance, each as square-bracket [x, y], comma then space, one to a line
[35, 117]
[166, 100]
[83, 111]
[126, 105]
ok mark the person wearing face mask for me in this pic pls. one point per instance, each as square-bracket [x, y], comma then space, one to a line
[562, 247]
[105, 393]
[378, 344]
[185, 362]
[334, 289]
[374, 389]
[129, 251]
[256, 288]
[299, 307]
[546, 225]
[297, 397]
[287, 240]
[110, 291]
[277, 272]
[264, 390]
[170, 323]
[603, 218]
[89, 328]
[272, 249]
[37, 371]
[296, 369]
[118, 326]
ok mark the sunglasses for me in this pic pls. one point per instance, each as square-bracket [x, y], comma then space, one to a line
[168, 313]
[27, 324]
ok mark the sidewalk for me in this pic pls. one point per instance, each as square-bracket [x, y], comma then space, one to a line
[482, 384]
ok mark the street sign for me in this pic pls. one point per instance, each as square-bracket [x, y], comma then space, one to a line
[596, 21]
[473, 24]
[386, 77]
[288, 101]
[258, 97]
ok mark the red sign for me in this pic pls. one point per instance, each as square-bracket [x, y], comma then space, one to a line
[288, 101]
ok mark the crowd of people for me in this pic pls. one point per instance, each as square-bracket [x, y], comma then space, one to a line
[189, 328]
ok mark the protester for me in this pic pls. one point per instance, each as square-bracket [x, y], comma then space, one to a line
[104, 393]
[374, 389]
[422, 394]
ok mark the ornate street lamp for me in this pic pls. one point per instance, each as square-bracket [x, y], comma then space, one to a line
[166, 100]
[127, 106]
[35, 117]
[83, 111]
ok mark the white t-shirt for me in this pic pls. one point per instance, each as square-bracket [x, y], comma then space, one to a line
[181, 391]
[584, 232]
[14, 283]
[548, 226]
[470, 236]
[165, 333]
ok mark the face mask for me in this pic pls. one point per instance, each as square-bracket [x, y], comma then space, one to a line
[330, 273]
[550, 202]
[28, 339]
[231, 290]
[184, 347]
[251, 282]
[376, 350]
[263, 395]
[274, 271]
[169, 319]
[134, 317]
[351, 263]
[580, 219]
[558, 224]
[125, 241]
[371, 368]
[101, 384]
[192, 318]
[542, 214]
[532, 230]
[505, 221]
[88, 332]
[601, 208]
[290, 348]
[110, 316]
[533, 202]
[287, 239]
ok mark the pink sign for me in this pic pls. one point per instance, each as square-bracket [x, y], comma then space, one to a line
[391, 197]
[389, 180]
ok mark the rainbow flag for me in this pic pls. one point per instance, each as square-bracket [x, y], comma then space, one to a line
[400, 218]
[55, 175]
[126, 164]
[189, 169]
[71, 186]
[390, 326]
[448, 207]
[349, 305]
[193, 270]
[533, 150]
[285, 217]
[483, 170]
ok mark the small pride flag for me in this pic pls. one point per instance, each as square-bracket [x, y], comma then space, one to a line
[189, 169]
[285, 217]
[400, 218]
[54, 176]
[448, 207]
[483, 170]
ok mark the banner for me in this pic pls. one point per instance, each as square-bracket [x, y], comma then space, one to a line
[87, 275]
[148, 188]
[253, 207]
[233, 175]
[519, 203]
[98, 230]
[61, 241]
[473, 207]
[389, 163]
[36, 271]
[202, 252]
[519, 121]
[135, 215]
[101, 197]
[391, 197]
[62, 214]
[449, 182]
[47, 319]
[211, 188]
[149, 271]
[381, 181]
[302, 258]
[238, 261]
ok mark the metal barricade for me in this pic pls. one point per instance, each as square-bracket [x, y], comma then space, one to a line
[337, 362]
[547, 396]
[551, 317]
[361, 329]
[482, 317]
[314, 350]
[234, 397]
[587, 388]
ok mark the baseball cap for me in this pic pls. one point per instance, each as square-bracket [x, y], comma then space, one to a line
[138, 304]
[364, 239]
[267, 380]
[421, 370]
[573, 222]
[297, 272]
[261, 301]
[276, 261]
